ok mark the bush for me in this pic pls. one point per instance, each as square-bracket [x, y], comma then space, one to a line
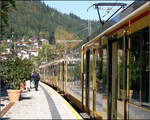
[15, 71]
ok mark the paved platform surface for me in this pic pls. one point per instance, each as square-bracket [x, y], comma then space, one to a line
[42, 104]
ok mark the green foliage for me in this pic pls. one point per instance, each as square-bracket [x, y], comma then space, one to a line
[98, 71]
[104, 75]
[74, 16]
[4, 11]
[3, 47]
[15, 71]
[27, 67]
[33, 18]
[134, 71]
[77, 68]
[46, 53]
[74, 71]
[121, 74]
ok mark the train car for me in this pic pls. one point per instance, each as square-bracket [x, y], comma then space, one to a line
[55, 74]
[117, 62]
[109, 77]
[42, 72]
[74, 83]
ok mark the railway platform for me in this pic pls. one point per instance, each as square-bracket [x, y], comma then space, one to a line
[45, 103]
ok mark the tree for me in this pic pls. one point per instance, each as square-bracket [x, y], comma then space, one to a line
[52, 39]
[5, 8]
[3, 47]
[59, 50]
[45, 54]
[27, 21]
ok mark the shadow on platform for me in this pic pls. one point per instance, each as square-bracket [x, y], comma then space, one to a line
[6, 118]
[2, 105]
[3, 91]
[22, 97]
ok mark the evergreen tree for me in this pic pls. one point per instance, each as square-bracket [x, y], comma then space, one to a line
[52, 39]
[4, 11]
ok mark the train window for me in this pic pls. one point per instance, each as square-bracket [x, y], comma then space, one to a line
[70, 72]
[120, 69]
[134, 83]
[98, 71]
[104, 71]
[103, 80]
[139, 69]
[42, 73]
[74, 81]
[84, 71]
[145, 95]
[91, 79]
[98, 82]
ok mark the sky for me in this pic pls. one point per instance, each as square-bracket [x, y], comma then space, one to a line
[79, 8]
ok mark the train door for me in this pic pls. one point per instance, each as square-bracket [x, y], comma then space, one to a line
[91, 82]
[116, 81]
[82, 76]
[87, 82]
[84, 70]
[112, 80]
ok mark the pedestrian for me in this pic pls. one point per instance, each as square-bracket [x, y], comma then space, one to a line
[32, 81]
[36, 78]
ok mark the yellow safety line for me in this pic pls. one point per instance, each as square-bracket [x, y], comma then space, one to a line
[139, 107]
[72, 110]
[69, 106]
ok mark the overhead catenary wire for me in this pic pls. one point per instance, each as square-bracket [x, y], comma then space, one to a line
[80, 30]
[96, 5]
[109, 10]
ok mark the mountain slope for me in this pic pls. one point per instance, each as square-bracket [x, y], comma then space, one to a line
[35, 19]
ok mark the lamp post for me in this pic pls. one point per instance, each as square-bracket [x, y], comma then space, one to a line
[12, 36]
[46, 55]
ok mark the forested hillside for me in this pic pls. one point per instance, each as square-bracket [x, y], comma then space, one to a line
[35, 19]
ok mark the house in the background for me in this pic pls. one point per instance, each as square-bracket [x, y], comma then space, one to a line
[33, 52]
[23, 54]
[44, 41]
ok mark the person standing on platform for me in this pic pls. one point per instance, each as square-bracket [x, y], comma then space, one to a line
[36, 78]
[32, 81]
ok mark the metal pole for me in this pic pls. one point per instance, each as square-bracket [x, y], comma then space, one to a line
[46, 55]
[89, 27]
[149, 61]
[99, 16]
[65, 47]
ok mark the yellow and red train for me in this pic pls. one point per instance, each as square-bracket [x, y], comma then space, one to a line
[109, 77]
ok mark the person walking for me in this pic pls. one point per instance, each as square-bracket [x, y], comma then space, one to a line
[32, 81]
[36, 78]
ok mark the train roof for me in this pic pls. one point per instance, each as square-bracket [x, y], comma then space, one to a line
[117, 18]
[95, 39]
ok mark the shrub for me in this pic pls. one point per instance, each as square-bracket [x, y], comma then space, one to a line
[15, 71]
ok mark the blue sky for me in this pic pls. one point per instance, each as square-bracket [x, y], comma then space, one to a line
[79, 8]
